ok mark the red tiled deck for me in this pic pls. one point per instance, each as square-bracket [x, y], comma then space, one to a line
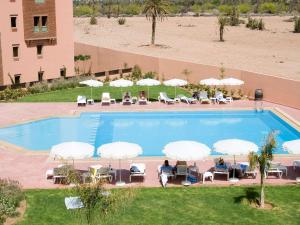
[29, 168]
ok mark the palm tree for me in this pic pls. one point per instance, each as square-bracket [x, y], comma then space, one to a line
[222, 21]
[263, 160]
[154, 9]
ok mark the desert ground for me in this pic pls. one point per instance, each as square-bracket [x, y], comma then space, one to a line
[275, 51]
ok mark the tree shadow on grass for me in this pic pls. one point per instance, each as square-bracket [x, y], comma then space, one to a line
[251, 197]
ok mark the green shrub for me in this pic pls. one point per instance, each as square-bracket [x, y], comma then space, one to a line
[136, 73]
[196, 8]
[225, 9]
[93, 20]
[245, 8]
[297, 25]
[207, 7]
[121, 21]
[12, 94]
[174, 9]
[38, 88]
[234, 16]
[150, 75]
[131, 9]
[255, 24]
[10, 197]
[261, 24]
[267, 7]
[83, 10]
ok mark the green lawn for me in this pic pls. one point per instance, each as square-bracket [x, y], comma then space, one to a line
[70, 95]
[193, 205]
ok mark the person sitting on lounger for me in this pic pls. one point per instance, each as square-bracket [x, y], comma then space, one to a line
[166, 167]
[127, 96]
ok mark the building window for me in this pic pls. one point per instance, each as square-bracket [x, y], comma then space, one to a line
[44, 23]
[63, 72]
[36, 24]
[39, 50]
[39, 1]
[13, 22]
[40, 75]
[17, 78]
[15, 49]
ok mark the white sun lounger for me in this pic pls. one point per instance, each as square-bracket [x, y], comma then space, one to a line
[186, 99]
[163, 97]
[141, 167]
[204, 97]
[106, 100]
[81, 100]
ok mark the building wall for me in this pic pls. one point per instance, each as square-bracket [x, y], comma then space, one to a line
[1, 65]
[55, 55]
[277, 90]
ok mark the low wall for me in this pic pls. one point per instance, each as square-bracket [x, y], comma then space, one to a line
[277, 90]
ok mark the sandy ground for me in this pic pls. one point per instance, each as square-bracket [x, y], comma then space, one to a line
[275, 51]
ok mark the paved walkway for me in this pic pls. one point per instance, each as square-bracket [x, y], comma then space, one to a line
[30, 168]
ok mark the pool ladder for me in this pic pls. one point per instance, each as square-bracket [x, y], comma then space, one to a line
[96, 122]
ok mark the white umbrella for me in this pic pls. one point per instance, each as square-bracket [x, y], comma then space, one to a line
[121, 83]
[232, 82]
[235, 147]
[119, 150]
[175, 83]
[148, 82]
[186, 151]
[292, 147]
[92, 83]
[211, 82]
[72, 150]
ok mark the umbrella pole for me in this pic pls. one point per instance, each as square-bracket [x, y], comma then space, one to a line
[91, 92]
[175, 92]
[148, 93]
[234, 179]
[120, 182]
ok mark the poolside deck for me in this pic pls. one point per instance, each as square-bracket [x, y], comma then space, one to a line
[29, 168]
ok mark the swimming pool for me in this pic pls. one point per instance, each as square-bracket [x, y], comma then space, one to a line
[151, 130]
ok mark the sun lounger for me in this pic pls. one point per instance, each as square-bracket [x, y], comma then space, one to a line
[163, 97]
[61, 173]
[181, 170]
[246, 170]
[204, 97]
[187, 100]
[137, 170]
[220, 98]
[103, 173]
[127, 100]
[221, 169]
[81, 100]
[106, 100]
[142, 100]
[276, 168]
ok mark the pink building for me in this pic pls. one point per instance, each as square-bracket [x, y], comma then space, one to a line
[36, 40]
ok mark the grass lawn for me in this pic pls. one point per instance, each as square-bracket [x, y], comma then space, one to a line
[70, 95]
[193, 205]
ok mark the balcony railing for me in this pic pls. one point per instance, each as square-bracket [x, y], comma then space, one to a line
[44, 29]
[36, 29]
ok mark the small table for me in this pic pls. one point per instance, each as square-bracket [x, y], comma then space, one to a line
[177, 100]
[113, 101]
[214, 100]
[90, 101]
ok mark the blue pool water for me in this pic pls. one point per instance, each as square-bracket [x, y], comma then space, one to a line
[151, 130]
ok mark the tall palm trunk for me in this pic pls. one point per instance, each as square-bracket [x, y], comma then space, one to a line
[221, 33]
[153, 30]
[262, 190]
